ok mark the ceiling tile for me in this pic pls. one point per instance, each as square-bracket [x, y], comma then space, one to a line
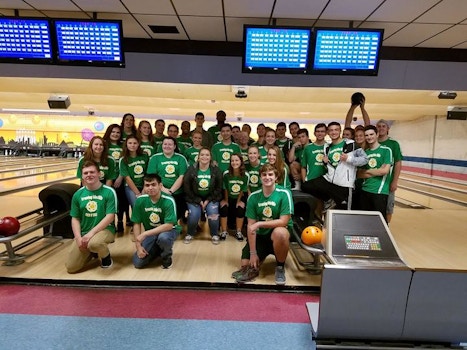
[413, 34]
[349, 9]
[204, 28]
[14, 4]
[248, 8]
[101, 6]
[450, 38]
[389, 28]
[67, 14]
[57, 5]
[401, 10]
[298, 9]
[198, 7]
[7, 12]
[235, 27]
[162, 20]
[150, 7]
[449, 11]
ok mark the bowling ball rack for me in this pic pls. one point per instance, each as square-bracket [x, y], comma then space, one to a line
[31, 222]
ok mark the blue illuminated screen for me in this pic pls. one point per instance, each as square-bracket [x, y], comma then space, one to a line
[25, 39]
[276, 48]
[347, 49]
[91, 41]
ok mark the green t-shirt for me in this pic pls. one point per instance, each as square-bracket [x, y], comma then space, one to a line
[282, 143]
[152, 215]
[255, 177]
[106, 172]
[221, 154]
[191, 155]
[215, 132]
[202, 181]
[169, 169]
[244, 153]
[187, 142]
[90, 207]
[158, 142]
[261, 208]
[148, 148]
[335, 152]
[116, 152]
[396, 153]
[376, 159]
[135, 169]
[312, 161]
[235, 185]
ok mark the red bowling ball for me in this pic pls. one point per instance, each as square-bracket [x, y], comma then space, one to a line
[9, 226]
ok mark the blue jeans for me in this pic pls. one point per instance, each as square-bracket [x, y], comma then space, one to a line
[212, 215]
[130, 196]
[156, 245]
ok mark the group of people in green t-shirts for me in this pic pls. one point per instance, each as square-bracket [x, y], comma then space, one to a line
[232, 183]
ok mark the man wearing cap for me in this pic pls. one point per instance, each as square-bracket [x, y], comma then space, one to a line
[383, 127]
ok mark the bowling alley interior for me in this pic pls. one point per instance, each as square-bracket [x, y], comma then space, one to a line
[401, 281]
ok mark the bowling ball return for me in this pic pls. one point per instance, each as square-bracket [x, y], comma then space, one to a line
[53, 218]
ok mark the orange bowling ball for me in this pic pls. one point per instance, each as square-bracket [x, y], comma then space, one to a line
[9, 226]
[312, 235]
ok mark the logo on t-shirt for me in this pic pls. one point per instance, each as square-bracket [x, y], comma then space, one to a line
[170, 169]
[203, 183]
[254, 179]
[226, 155]
[372, 162]
[267, 212]
[91, 206]
[319, 157]
[138, 169]
[154, 218]
[236, 188]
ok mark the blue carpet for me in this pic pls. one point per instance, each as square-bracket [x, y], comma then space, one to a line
[64, 332]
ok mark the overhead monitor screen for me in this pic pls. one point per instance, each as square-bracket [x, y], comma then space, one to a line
[276, 49]
[25, 40]
[347, 51]
[89, 42]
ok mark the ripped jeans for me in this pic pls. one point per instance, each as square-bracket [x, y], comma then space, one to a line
[212, 215]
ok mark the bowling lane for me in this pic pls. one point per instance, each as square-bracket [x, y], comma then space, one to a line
[409, 197]
[8, 186]
[435, 182]
[20, 163]
[31, 171]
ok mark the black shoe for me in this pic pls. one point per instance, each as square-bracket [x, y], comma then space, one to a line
[106, 262]
[167, 262]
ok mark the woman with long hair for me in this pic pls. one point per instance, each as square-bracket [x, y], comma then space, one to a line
[276, 160]
[147, 138]
[253, 168]
[128, 125]
[113, 140]
[235, 185]
[97, 152]
[202, 185]
[269, 141]
[133, 167]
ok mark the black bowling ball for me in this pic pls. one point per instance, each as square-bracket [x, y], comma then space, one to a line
[357, 98]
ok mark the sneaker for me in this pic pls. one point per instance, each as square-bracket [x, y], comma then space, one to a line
[239, 236]
[248, 275]
[328, 205]
[215, 239]
[223, 236]
[188, 239]
[280, 275]
[240, 272]
[167, 262]
[106, 262]
[298, 186]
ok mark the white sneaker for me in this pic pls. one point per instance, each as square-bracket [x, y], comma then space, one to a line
[215, 239]
[188, 239]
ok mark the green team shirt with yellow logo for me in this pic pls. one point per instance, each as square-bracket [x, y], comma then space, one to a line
[135, 169]
[255, 177]
[106, 172]
[153, 214]
[202, 181]
[396, 153]
[262, 208]
[191, 155]
[376, 159]
[148, 148]
[169, 169]
[90, 207]
[186, 142]
[116, 151]
[235, 184]
[221, 154]
[312, 161]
